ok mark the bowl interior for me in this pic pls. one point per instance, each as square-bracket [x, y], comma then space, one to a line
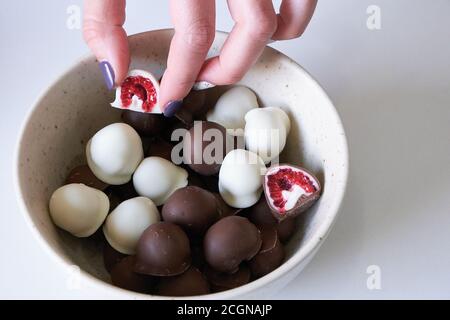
[77, 105]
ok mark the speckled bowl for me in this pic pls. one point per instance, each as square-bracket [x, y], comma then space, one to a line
[74, 107]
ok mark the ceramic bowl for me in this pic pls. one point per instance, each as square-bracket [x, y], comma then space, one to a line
[76, 105]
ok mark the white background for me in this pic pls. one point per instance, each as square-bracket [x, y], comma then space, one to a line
[392, 89]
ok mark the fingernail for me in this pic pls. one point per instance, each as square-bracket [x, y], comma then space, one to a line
[202, 85]
[108, 74]
[172, 107]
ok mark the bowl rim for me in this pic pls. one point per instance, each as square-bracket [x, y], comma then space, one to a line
[309, 247]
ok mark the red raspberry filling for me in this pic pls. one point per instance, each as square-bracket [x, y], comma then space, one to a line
[284, 180]
[141, 87]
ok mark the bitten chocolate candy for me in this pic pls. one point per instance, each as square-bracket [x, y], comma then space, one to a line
[83, 174]
[122, 275]
[190, 283]
[219, 281]
[230, 241]
[111, 256]
[192, 208]
[261, 215]
[147, 124]
[290, 190]
[163, 250]
[205, 146]
[270, 256]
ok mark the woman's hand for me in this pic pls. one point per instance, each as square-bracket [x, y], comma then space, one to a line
[256, 22]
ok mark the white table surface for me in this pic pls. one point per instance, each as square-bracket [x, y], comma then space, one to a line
[392, 89]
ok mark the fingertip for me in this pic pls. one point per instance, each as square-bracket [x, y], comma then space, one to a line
[172, 90]
[110, 46]
[170, 104]
[294, 18]
[194, 22]
[108, 74]
[118, 54]
[172, 107]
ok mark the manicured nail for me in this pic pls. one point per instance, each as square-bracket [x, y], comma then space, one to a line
[108, 74]
[172, 107]
[202, 85]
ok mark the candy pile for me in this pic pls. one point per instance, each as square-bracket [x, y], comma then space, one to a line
[187, 218]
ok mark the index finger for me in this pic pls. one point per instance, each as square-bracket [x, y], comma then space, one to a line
[293, 18]
[194, 22]
[255, 24]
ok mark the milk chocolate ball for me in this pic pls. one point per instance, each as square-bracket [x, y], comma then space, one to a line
[192, 208]
[123, 276]
[204, 147]
[83, 174]
[194, 107]
[271, 254]
[146, 124]
[185, 116]
[190, 283]
[163, 250]
[219, 281]
[261, 215]
[194, 102]
[230, 241]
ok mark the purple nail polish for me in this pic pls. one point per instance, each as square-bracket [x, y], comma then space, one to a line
[108, 74]
[172, 107]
